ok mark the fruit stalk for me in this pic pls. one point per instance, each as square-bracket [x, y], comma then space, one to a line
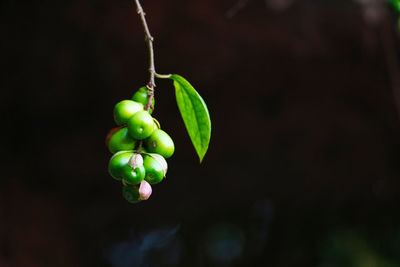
[149, 39]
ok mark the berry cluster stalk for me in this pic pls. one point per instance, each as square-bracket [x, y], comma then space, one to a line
[149, 39]
[151, 84]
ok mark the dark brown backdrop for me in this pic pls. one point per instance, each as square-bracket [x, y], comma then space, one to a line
[302, 168]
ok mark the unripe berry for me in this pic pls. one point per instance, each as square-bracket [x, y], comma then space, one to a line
[161, 143]
[142, 96]
[140, 125]
[154, 170]
[125, 109]
[117, 163]
[121, 140]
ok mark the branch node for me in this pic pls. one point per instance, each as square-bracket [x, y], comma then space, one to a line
[151, 87]
[149, 38]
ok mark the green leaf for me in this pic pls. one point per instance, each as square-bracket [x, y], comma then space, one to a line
[395, 4]
[194, 113]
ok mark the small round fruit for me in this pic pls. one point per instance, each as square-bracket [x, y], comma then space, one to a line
[160, 160]
[121, 141]
[142, 96]
[161, 143]
[125, 109]
[110, 134]
[154, 170]
[140, 125]
[133, 176]
[131, 193]
[117, 163]
[156, 124]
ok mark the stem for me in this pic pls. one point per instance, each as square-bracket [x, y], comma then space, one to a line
[163, 76]
[149, 39]
[151, 84]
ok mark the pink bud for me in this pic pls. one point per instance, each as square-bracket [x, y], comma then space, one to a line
[144, 190]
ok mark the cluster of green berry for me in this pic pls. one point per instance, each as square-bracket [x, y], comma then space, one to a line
[139, 147]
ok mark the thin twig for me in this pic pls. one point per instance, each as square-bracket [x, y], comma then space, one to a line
[149, 39]
[151, 84]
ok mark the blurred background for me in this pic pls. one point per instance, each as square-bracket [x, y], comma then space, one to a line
[303, 166]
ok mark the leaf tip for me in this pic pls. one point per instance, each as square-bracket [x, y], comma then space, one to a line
[201, 155]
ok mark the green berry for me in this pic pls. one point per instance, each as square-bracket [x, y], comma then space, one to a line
[125, 109]
[121, 141]
[110, 134]
[140, 125]
[142, 96]
[161, 143]
[117, 164]
[156, 124]
[131, 193]
[133, 176]
[154, 170]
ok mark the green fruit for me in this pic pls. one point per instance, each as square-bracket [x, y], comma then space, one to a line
[140, 125]
[121, 141]
[131, 193]
[133, 176]
[142, 96]
[156, 124]
[117, 164]
[125, 109]
[110, 134]
[160, 160]
[154, 170]
[161, 143]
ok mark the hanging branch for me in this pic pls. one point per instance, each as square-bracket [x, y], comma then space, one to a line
[149, 39]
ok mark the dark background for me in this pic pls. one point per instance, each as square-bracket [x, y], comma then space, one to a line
[303, 166]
